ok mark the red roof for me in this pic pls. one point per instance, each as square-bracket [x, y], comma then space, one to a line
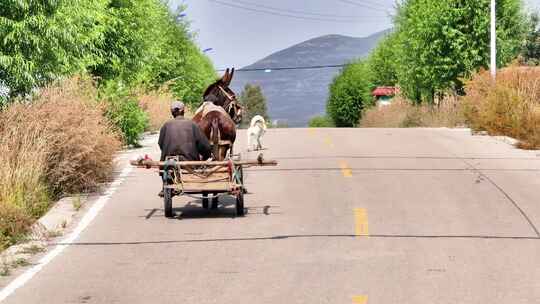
[385, 91]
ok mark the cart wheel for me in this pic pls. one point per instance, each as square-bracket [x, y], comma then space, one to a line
[241, 173]
[215, 201]
[205, 200]
[167, 202]
[240, 204]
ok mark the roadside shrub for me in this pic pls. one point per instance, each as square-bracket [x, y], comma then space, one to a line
[81, 142]
[321, 122]
[350, 93]
[510, 106]
[123, 110]
[13, 224]
[59, 143]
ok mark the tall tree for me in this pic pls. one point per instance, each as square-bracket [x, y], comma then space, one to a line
[350, 93]
[441, 43]
[133, 38]
[148, 45]
[43, 40]
[382, 62]
[254, 102]
[530, 54]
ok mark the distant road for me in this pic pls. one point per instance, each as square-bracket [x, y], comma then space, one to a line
[349, 216]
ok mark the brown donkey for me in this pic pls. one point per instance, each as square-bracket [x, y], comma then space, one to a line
[219, 114]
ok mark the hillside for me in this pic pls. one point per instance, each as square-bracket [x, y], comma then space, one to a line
[294, 96]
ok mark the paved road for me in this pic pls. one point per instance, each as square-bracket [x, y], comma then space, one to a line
[349, 216]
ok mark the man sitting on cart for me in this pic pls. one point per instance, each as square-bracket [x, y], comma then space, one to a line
[183, 138]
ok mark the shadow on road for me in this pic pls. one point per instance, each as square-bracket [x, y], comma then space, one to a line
[226, 209]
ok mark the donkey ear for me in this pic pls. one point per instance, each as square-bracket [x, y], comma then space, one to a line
[230, 77]
[225, 76]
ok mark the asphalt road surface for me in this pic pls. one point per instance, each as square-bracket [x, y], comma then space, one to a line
[349, 216]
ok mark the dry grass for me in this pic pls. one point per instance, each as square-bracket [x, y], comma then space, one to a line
[510, 107]
[403, 114]
[157, 105]
[59, 143]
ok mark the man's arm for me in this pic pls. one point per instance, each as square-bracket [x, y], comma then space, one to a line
[161, 137]
[202, 143]
[161, 140]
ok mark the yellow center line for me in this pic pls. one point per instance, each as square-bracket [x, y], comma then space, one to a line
[363, 299]
[361, 222]
[345, 169]
[328, 141]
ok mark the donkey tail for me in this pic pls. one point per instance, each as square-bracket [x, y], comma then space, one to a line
[215, 136]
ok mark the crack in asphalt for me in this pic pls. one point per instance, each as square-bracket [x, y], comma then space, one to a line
[296, 236]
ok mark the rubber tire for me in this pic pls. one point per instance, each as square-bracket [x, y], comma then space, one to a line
[167, 202]
[215, 202]
[241, 170]
[205, 200]
[240, 204]
[244, 189]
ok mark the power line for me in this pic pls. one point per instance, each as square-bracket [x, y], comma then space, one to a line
[371, 3]
[364, 5]
[303, 12]
[285, 14]
[313, 67]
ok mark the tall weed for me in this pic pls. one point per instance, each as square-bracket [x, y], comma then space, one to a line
[157, 106]
[509, 106]
[58, 143]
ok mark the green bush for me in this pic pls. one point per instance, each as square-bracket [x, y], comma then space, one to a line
[124, 112]
[321, 122]
[350, 93]
[128, 117]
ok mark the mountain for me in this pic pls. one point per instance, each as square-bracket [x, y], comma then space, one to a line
[294, 96]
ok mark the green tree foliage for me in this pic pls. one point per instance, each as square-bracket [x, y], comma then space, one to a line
[440, 43]
[147, 45]
[254, 102]
[128, 45]
[350, 93]
[436, 45]
[43, 40]
[383, 62]
[530, 54]
[124, 112]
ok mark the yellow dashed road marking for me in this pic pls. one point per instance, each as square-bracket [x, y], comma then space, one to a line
[345, 169]
[361, 222]
[360, 299]
[312, 131]
[328, 141]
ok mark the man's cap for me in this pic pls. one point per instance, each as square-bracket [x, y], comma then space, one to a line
[177, 106]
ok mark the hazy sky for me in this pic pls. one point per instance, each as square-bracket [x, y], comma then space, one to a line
[240, 37]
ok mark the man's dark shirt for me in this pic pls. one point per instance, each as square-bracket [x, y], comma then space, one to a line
[181, 137]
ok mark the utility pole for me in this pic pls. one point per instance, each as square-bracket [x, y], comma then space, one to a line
[493, 40]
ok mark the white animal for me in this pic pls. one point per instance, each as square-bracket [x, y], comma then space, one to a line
[256, 130]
